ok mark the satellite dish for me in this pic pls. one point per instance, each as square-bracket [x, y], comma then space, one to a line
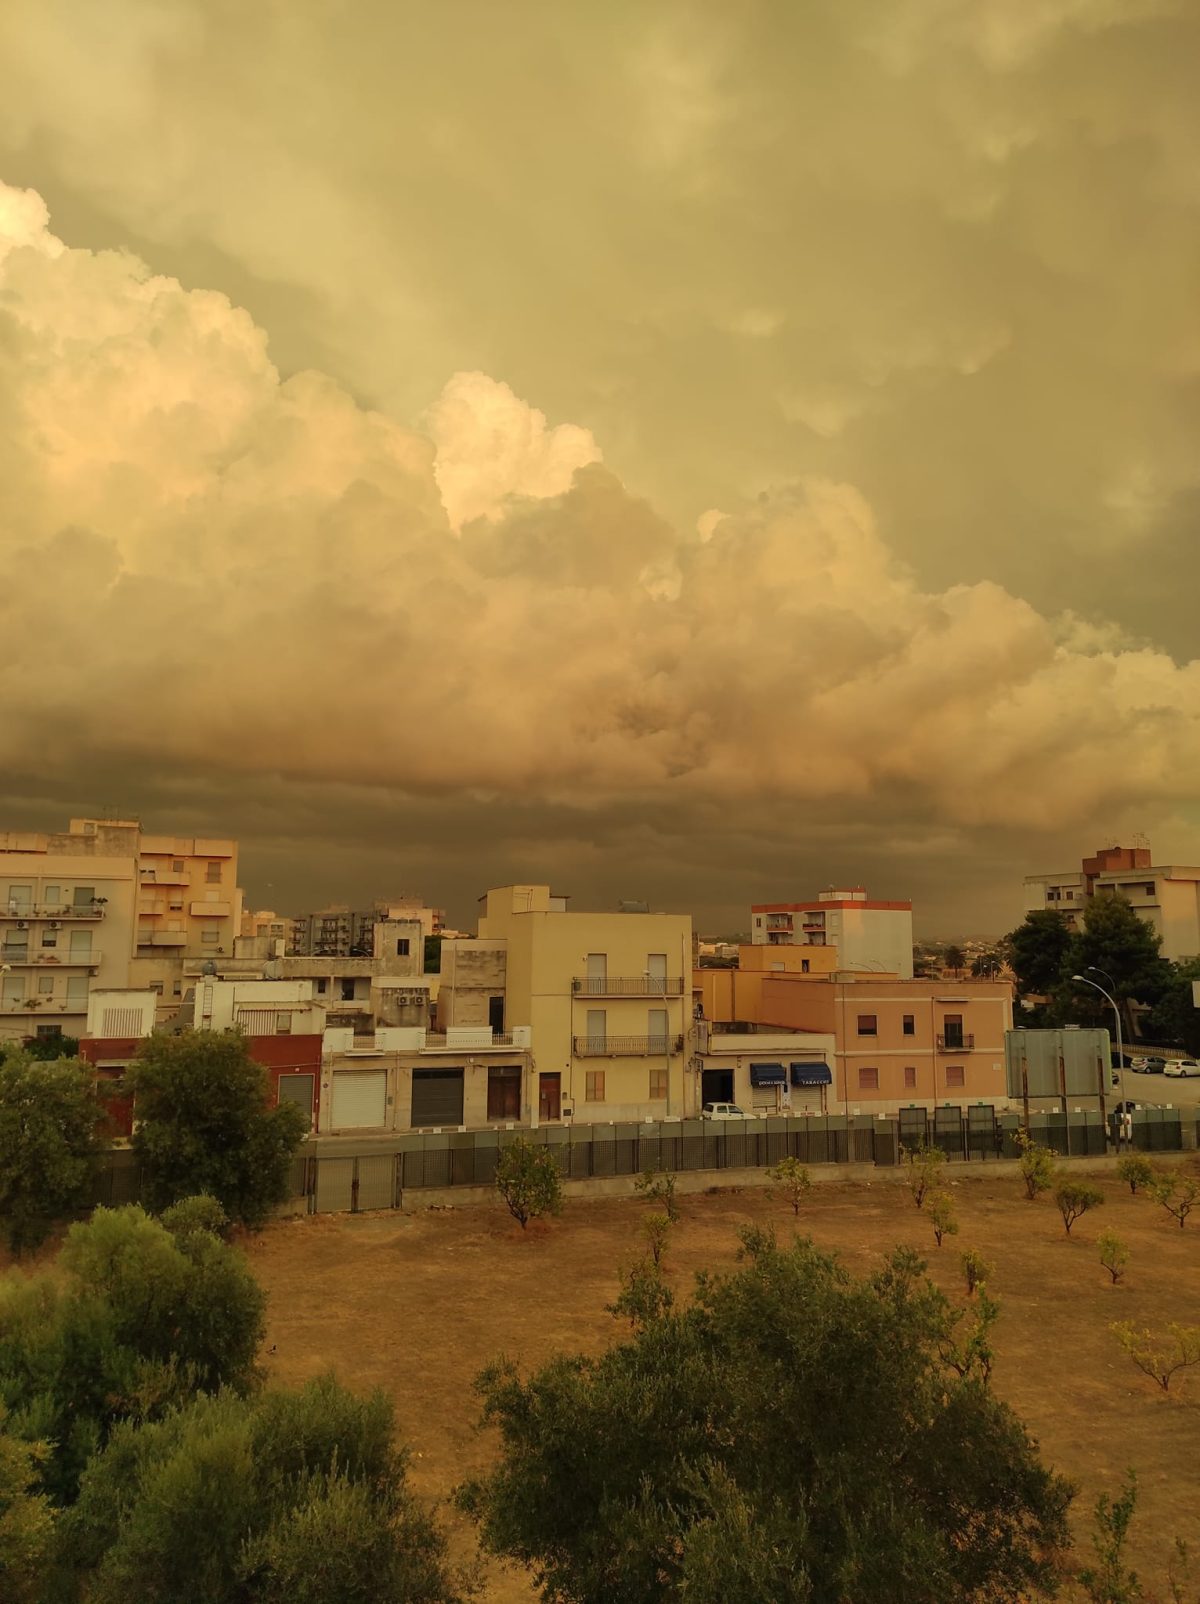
[208, 967]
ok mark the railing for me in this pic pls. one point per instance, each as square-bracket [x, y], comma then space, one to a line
[24, 959]
[17, 910]
[627, 986]
[626, 1046]
[955, 1042]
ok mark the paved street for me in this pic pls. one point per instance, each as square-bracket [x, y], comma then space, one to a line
[1161, 1089]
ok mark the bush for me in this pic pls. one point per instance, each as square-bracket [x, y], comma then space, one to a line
[527, 1179]
[1136, 1170]
[50, 1119]
[1110, 1582]
[1036, 1165]
[206, 1126]
[1075, 1198]
[26, 1520]
[644, 1295]
[1160, 1356]
[975, 1269]
[923, 1165]
[1177, 1194]
[658, 1186]
[656, 1228]
[1114, 1255]
[793, 1180]
[974, 1354]
[941, 1216]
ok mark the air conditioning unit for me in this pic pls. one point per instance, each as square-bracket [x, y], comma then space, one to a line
[22, 924]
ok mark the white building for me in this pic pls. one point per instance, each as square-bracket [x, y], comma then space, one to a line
[867, 934]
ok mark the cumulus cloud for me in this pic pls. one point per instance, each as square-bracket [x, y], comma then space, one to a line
[215, 570]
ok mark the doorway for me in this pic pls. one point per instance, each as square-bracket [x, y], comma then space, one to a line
[549, 1097]
[716, 1086]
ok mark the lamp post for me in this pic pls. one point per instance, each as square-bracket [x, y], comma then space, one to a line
[1095, 984]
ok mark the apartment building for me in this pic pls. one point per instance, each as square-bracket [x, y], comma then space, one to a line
[417, 1079]
[896, 1041]
[605, 997]
[1166, 896]
[865, 934]
[340, 931]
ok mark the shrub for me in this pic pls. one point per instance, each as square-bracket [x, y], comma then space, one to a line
[1114, 1255]
[50, 1118]
[656, 1228]
[976, 1270]
[974, 1355]
[26, 1520]
[1156, 1356]
[1075, 1198]
[658, 1186]
[1176, 1193]
[527, 1179]
[1110, 1582]
[941, 1216]
[1036, 1165]
[644, 1296]
[923, 1164]
[793, 1180]
[1136, 1170]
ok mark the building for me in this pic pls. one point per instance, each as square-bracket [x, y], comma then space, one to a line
[865, 934]
[414, 1079]
[896, 1041]
[604, 996]
[266, 925]
[766, 1072]
[344, 932]
[102, 904]
[1167, 897]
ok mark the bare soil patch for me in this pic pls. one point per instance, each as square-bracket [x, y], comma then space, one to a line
[418, 1303]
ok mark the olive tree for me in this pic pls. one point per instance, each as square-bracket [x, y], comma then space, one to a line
[50, 1123]
[1074, 1198]
[792, 1434]
[527, 1179]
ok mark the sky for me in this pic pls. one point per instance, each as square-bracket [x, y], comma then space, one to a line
[692, 453]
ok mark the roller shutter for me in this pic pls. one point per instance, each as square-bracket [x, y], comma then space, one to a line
[298, 1089]
[437, 1097]
[359, 1099]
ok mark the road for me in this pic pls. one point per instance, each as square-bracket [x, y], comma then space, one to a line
[1162, 1089]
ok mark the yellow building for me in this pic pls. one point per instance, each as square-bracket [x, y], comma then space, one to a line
[607, 997]
[101, 903]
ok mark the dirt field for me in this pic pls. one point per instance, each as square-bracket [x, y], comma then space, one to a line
[417, 1303]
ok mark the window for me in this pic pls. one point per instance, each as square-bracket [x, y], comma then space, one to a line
[84, 896]
[910, 1025]
[212, 873]
[176, 865]
[45, 985]
[19, 898]
[658, 1083]
[77, 991]
[52, 897]
[49, 937]
[209, 938]
[12, 990]
[593, 1089]
[322, 987]
[47, 1031]
[953, 1028]
[658, 1028]
[347, 991]
[868, 1080]
[910, 1077]
[954, 1075]
[177, 989]
[402, 947]
[1150, 889]
[804, 966]
[283, 1024]
[175, 907]
[867, 1025]
[156, 986]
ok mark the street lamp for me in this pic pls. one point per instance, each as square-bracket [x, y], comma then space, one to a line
[1084, 981]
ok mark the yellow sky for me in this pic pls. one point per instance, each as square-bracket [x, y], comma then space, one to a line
[689, 451]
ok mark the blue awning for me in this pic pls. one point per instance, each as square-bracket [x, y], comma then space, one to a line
[811, 1075]
[768, 1075]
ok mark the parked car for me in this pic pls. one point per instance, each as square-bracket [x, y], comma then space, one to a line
[1138, 1062]
[724, 1111]
[1182, 1068]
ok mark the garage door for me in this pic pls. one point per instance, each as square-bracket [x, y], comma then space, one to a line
[298, 1089]
[359, 1099]
[437, 1097]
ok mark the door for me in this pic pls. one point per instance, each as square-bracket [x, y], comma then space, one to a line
[496, 1015]
[549, 1097]
[504, 1093]
[359, 1099]
[597, 1029]
[597, 974]
[298, 1089]
[81, 946]
[657, 1026]
[716, 1086]
[656, 973]
[437, 1097]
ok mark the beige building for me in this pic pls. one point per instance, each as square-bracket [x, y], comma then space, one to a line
[1166, 896]
[606, 998]
[864, 933]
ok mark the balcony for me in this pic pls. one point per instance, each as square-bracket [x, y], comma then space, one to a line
[162, 938]
[210, 910]
[27, 911]
[626, 986]
[956, 1042]
[22, 958]
[626, 1046]
[164, 877]
[779, 921]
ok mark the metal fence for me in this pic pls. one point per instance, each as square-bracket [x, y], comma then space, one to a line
[341, 1174]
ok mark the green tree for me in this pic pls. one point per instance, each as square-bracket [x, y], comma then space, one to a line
[1075, 1198]
[793, 1434]
[1036, 1165]
[941, 1216]
[1176, 1193]
[130, 1321]
[527, 1179]
[1110, 1581]
[1174, 1019]
[976, 1270]
[433, 955]
[50, 1121]
[954, 959]
[48, 1048]
[1114, 939]
[1159, 1355]
[923, 1165]
[26, 1520]
[205, 1125]
[793, 1180]
[1114, 1255]
[1038, 952]
[296, 1497]
[658, 1186]
[1135, 1169]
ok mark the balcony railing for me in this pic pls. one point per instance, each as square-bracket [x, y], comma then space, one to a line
[955, 1042]
[627, 1046]
[627, 986]
[18, 910]
[23, 958]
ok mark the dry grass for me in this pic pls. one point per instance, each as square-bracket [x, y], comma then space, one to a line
[418, 1303]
